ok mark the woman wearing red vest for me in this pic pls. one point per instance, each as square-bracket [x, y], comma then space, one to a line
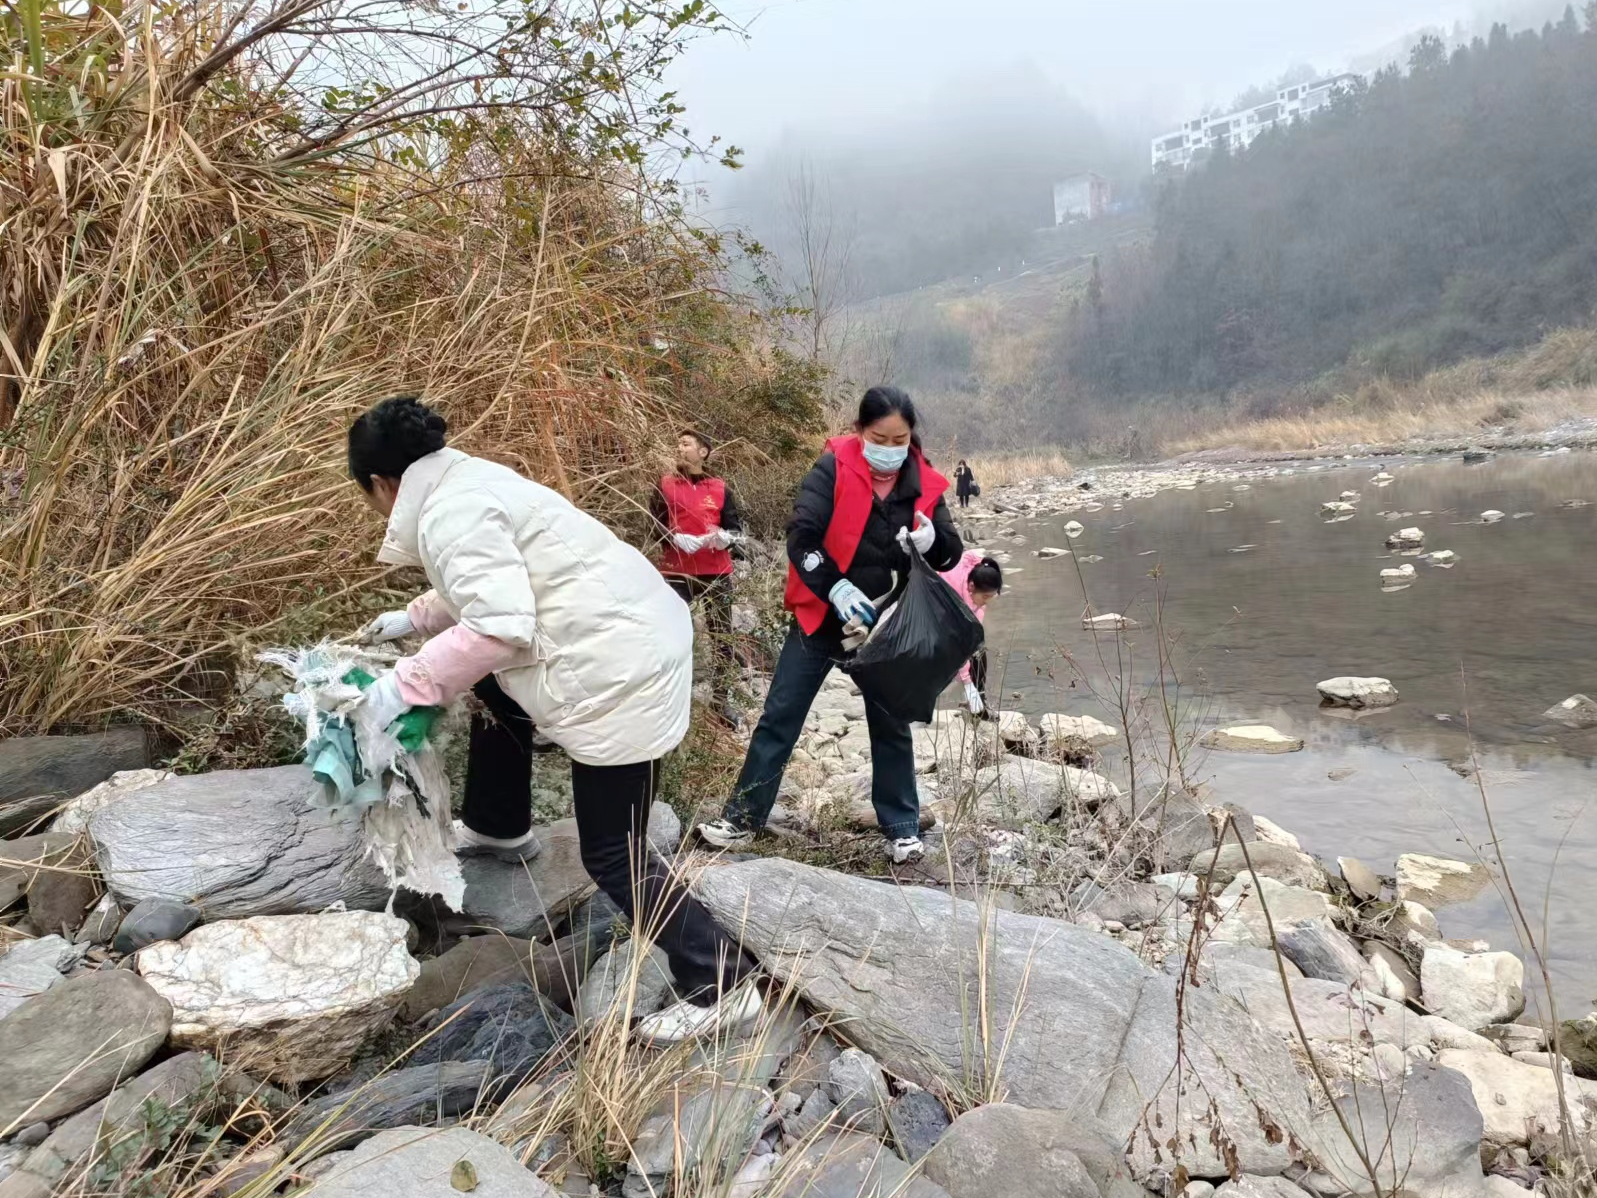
[871, 491]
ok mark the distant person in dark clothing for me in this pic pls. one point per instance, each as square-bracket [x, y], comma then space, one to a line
[699, 518]
[964, 482]
[871, 495]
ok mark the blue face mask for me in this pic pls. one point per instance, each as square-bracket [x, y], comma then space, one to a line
[884, 459]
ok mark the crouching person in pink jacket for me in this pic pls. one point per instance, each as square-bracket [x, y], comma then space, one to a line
[555, 623]
[979, 581]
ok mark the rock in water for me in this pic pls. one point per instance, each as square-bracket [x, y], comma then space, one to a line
[1472, 989]
[1035, 1154]
[1357, 693]
[153, 920]
[1363, 881]
[1436, 881]
[1079, 734]
[1399, 576]
[422, 1162]
[235, 843]
[1577, 711]
[1406, 538]
[69, 1046]
[292, 997]
[1251, 738]
[1085, 1024]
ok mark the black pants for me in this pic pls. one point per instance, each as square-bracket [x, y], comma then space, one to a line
[612, 807]
[800, 671]
[964, 498]
[714, 593]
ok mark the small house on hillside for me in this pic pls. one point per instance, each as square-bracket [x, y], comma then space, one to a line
[1081, 197]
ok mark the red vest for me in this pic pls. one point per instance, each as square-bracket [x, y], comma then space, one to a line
[693, 506]
[852, 498]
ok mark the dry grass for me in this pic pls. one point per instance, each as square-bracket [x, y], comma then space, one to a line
[205, 286]
[998, 469]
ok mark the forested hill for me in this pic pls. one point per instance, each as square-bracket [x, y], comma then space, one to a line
[1443, 211]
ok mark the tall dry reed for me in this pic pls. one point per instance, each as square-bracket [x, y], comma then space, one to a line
[226, 229]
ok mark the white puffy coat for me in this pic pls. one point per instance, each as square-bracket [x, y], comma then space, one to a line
[607, 672]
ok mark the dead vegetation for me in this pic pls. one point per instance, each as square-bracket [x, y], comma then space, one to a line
[225, 229]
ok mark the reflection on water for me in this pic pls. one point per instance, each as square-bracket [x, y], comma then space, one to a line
[1490, 642]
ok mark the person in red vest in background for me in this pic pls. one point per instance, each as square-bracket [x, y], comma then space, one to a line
[870, 496]
[701, 525]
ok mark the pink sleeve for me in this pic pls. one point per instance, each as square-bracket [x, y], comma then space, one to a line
[427, 615]
[449, 664]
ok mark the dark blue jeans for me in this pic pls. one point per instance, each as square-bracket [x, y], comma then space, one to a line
[802, 667]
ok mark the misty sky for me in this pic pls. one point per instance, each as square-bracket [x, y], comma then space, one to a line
[822, 66]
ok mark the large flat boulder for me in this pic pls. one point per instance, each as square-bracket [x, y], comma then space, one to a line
[235, 843]
[1073, 1020]
[526, 899]
[69, 1046]
[292, 997]
[63, 766]
[1037, 1154]
[431, 1162]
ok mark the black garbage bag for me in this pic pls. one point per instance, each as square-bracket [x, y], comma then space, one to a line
[917, 647]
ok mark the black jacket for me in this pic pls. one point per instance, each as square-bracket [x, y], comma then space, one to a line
[878, 555]
[964, 476]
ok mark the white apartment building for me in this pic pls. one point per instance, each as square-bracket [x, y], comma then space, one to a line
[1198, 138]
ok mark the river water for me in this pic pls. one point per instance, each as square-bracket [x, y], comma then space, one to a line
[1260, 598]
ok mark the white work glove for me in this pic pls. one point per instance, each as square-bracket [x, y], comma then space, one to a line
[382, 700]
[922, 536]
[687, 542]
[390, 626]
[850, 603]
[720, 538]
[973, 698]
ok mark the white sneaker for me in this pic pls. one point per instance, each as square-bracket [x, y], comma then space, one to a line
[906, 849]
[688, 1021]
[515, 849]
[724, 834]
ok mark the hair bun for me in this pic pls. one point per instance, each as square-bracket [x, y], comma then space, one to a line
[416, 423]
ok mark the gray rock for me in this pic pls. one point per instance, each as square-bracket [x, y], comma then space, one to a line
[418, 1095]
[59, 767]
[855, 1083]
[31, 967]
[59, 897]
[665, 829]
[527, 899]
[69, 1046]
[21, 861]
[594, 924]
[1321, 950]
[152, 920]
[1472, 989]
[1180, 822]
[1423, 1136]
[1363, 881]
[1035, 1154]
[616, 984]
[1327, 1010]
[848, 1165]
[712, 1128]
[1130, 903]
[1577, 711]
[917, 1121]
[1268, 860]
[178, 1082]
[813, 1113]
[1248, 1186]
[478, 962]
[1393, 976]
[235, 843]
[101, 925]
[1086, 1026]
[418, 1162]
[1021, 790]
[1516, 1037]
[512, 1027]
[807, 1069]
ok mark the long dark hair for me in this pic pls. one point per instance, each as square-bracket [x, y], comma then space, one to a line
[986, 576]
[389, 436]
[889, 401]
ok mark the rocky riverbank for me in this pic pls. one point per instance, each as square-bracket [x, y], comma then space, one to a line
[1112, 992]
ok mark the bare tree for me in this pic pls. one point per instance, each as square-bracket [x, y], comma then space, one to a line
[821, 261]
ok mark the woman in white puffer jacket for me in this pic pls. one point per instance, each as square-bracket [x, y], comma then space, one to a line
[556, 624]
